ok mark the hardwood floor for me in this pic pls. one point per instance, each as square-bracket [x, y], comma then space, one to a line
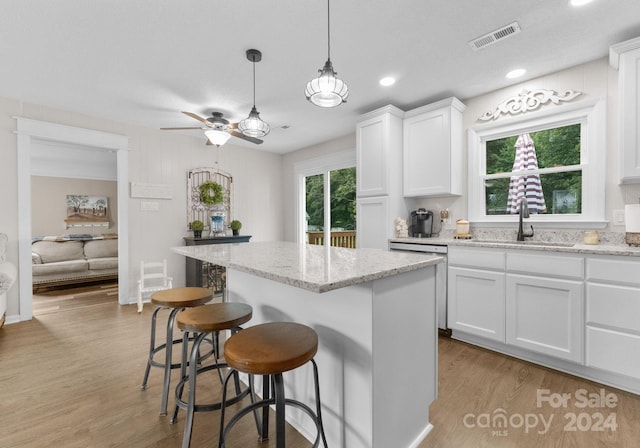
[55, 300]
[72, 379]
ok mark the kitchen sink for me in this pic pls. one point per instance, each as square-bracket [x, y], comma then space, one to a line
[525, 243]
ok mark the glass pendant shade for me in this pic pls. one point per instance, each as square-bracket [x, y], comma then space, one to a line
[327, 90]
[217, 137]
[253, 126]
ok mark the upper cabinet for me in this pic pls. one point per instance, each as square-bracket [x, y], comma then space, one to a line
[625, 57]
[379, 151]
[433, 149]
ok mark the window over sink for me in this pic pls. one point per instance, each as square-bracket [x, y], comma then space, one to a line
[556, 159]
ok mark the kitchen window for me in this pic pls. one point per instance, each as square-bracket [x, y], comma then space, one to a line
[555, 159]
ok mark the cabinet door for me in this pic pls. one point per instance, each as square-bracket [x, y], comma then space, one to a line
[373, 228]
[629, 97]
[546, 316]
[476, 302]
[371, 157]
[427, 153]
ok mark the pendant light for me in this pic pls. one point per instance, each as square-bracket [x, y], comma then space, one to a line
[327, 90]
[253, 126]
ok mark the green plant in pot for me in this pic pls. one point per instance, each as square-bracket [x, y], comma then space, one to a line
[197, 226]
[235, 226]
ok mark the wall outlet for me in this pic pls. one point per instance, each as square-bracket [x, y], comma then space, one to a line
[618, 217]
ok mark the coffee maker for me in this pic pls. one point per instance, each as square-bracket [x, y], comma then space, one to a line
[421, 223]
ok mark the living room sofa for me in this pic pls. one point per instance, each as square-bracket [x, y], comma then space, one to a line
[72, 259]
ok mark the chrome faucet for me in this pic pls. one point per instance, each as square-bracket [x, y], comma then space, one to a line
[524, 213]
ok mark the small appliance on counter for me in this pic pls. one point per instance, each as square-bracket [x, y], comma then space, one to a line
[423, 224]
[462, 229]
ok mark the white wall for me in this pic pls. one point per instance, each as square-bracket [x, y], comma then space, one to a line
[595, 79]
[155, 157]
[49, 204]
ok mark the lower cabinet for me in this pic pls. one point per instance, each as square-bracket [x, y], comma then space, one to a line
[545, 315]
[577, 313]
[476, 302]
[613, 315]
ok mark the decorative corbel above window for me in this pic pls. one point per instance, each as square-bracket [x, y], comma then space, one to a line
[529, 100]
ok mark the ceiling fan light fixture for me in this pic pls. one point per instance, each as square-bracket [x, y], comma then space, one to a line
[253, 125]
[217, 137]
[327, 90]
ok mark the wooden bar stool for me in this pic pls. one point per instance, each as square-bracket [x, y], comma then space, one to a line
[202, 321]
[270, 350]
[175, 299]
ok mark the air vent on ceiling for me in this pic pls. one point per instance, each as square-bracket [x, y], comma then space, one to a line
[494, 36]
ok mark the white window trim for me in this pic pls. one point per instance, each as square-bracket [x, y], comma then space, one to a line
[311, 167]
[591, 114]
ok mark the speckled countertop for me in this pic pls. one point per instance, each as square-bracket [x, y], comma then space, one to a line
[314, 268]
[549, 246]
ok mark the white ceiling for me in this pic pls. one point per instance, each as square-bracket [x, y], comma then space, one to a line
[144, 61]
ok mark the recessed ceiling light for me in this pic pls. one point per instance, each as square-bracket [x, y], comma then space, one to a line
[580, 2]
[387, 81]
[516, 73]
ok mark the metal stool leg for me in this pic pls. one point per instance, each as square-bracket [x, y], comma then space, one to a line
[278, 391]
[193, 368]
[318, 405]
[168, 360]
[152, 346]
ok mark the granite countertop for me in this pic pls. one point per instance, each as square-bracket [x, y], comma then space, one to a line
[550, 246]
[314, 268]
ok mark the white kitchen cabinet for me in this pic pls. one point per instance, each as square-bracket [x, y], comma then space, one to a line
[433, 149]
[379, 152]
[545, 315]
[625, 57]
[379, 177]
[476, 284]
[476, 302]
[372, 227]
[612, 315]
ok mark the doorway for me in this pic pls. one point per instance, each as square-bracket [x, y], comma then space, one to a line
[31, 134]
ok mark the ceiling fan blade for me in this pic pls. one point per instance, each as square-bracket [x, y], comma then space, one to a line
[195, 116]
[232, 126]
[209, 143]
[257, 141]
[177, 129]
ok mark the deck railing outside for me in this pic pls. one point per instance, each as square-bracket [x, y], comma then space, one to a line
[345, 238]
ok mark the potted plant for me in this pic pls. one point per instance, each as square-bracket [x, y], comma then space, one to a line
[197, 226]
[235, 227]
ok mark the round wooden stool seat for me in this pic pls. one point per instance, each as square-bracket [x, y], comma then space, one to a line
[271, 348]
[214, 317]
[181, 297]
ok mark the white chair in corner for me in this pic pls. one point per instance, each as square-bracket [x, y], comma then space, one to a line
[153, 277]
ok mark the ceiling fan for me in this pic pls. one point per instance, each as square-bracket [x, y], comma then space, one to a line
[217, 129]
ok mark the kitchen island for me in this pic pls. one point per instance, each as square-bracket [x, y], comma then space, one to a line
[375, 315]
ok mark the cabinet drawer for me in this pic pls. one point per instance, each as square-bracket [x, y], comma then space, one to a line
[615, 306]
[545, 264]
[614, 270]
[613, 351]
[476, 258]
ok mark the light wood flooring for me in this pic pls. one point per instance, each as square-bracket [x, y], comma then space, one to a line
[72, 379]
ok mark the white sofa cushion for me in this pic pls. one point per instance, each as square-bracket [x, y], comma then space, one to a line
[103, 263]
[101, 248]
[60, 267]
[53, 251]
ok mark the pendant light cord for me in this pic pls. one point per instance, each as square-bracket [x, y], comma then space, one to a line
[253, 59]
[328, 32]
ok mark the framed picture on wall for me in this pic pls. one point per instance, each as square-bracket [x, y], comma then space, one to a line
[85, 209]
